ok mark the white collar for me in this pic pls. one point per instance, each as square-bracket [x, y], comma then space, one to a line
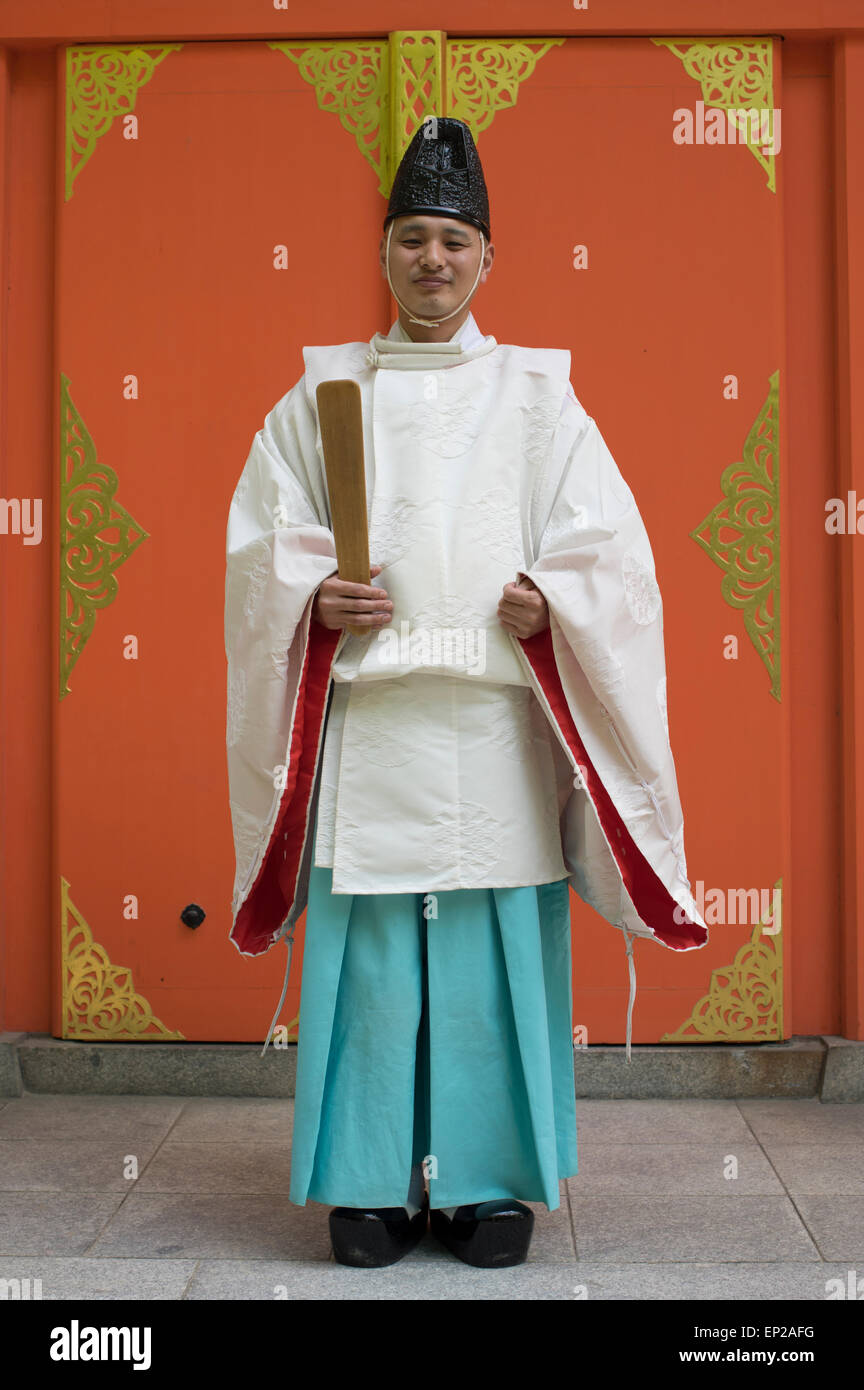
[468, 335]
[397, 349]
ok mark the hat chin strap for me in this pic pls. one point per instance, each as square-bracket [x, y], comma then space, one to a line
[432, 323]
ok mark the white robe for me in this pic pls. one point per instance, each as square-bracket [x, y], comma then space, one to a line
[481, 464]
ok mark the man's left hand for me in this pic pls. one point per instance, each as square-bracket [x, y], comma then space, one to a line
[523, 609]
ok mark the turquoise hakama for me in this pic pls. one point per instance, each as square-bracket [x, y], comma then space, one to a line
[437, 1040]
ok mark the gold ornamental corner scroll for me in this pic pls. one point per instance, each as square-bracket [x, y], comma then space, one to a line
[99, 999]
[736, 77]
[744, 1001]
[383, 90]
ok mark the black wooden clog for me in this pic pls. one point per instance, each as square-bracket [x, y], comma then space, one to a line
[490, 1235]
[378, 1236]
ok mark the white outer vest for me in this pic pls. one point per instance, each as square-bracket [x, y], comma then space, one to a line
[440, 770]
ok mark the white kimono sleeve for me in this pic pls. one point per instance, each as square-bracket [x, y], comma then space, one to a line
[279, 549]
[595, 567]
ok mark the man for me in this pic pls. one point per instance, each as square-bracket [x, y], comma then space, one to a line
[435, 785]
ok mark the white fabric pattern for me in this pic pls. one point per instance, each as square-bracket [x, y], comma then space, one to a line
[640, 589]
[445, 760]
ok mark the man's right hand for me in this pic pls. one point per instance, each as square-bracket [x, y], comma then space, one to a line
[338, 602]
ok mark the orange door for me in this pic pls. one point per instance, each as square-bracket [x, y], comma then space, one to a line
[221, 207]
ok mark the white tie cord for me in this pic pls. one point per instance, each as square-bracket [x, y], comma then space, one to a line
[628, 940]
[289, 942]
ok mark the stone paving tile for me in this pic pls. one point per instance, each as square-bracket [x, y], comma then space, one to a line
[622, 1229]
[785, 1121]
[86, 1279]
[93, 1279]
[821, 1169]
[710, 1283]
[659, 1122]
[248, 1121]
[836, 1225]
[675, 1169]
[210, 1167]
[74, 1165]
[199, 1225]
[66, 1117]
[411, 1279]
[408, 1279]
[52, 1223]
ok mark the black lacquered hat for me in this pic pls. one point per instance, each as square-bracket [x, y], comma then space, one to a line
[440, 174]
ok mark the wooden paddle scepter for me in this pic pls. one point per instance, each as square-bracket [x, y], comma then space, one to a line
[340, 413]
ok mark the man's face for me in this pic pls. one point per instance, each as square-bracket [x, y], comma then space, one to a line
[433, 262]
